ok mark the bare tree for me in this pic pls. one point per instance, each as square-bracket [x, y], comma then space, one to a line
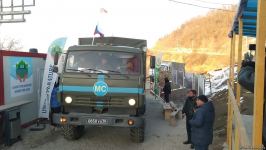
[10, 44]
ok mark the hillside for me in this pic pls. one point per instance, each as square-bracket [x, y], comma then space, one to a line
[202, 43]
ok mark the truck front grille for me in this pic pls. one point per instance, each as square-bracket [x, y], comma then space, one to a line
[103, 102]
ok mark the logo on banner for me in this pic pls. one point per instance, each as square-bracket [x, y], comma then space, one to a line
[100, 88]
[22, 71]
[56, 49]
[21, 79]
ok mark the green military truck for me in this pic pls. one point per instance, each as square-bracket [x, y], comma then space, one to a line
[103, 85]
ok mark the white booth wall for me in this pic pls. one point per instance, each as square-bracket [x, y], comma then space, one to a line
[32, 84]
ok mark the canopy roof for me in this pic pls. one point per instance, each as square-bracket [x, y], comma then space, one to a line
[247, 11]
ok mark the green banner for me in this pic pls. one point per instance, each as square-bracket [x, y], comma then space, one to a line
[157, 73]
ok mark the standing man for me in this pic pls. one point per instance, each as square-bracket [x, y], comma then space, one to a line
[202, 124]
[246, 78]
[167, 90]
[55, 104]
[188, 111]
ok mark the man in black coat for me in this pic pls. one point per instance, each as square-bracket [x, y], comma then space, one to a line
[167, 90]
[188, 111]
[246, 78]
[202, 124]
[246, 75]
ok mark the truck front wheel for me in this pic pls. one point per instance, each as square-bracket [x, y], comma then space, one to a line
[137, 134]
[71, 132]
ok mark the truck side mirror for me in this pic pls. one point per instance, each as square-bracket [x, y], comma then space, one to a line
[55, 69]
[56, 57]
[152, 62]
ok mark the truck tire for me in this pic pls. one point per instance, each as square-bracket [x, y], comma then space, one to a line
[137, 134]
[71, 132]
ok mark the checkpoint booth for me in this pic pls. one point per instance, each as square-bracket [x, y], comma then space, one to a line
[21, 75]
[250, 21]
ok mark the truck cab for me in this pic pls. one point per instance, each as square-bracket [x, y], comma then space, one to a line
[103, 85]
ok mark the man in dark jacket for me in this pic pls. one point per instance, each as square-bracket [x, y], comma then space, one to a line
[167, 90]
[246, 78]
[202, 124]
[55, 104]
[246, 75]
[188, 111]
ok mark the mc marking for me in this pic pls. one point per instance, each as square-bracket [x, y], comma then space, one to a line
[100, 88]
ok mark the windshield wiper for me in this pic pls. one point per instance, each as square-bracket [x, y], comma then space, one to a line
[97, 70]
[77, 70]
[100, 71]
[84, 70]
[90, 69]
[118, 72]
[74, 69]
[113, 71]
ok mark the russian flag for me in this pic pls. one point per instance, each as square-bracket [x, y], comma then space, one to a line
[102, 10]
[97, 31]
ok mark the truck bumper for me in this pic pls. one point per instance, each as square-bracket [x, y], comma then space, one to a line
[97, 120]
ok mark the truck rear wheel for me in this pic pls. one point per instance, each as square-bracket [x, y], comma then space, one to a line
[71, 132]
[137, 134]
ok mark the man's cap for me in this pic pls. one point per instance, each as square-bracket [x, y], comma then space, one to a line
[203, 98]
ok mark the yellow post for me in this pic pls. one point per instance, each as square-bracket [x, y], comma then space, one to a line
[229, 123]
[259, 75]
[229, 109]
[239, 56]
[232, 84]
[238, 88]
[233, 60]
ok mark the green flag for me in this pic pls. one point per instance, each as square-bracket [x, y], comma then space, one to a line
[157, 73]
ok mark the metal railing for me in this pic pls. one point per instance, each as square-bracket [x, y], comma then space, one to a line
[237, 136]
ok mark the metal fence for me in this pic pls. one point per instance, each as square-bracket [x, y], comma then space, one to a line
[197, 82]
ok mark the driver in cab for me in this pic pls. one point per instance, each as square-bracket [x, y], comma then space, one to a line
[104, 64]
[130, 67]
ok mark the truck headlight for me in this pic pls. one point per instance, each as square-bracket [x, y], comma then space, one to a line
[132, 102]
[68, 100]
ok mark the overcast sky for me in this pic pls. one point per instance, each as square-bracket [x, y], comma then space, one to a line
[143, 19]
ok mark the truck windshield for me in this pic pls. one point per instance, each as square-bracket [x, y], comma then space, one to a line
[103, 62]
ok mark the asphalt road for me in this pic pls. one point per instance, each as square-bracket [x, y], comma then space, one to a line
[159, 136]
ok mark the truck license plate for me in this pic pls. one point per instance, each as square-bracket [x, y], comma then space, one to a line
[97, 121]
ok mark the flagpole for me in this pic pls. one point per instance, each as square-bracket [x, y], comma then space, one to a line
[102, 10]
[93, 40]
[94, 33]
